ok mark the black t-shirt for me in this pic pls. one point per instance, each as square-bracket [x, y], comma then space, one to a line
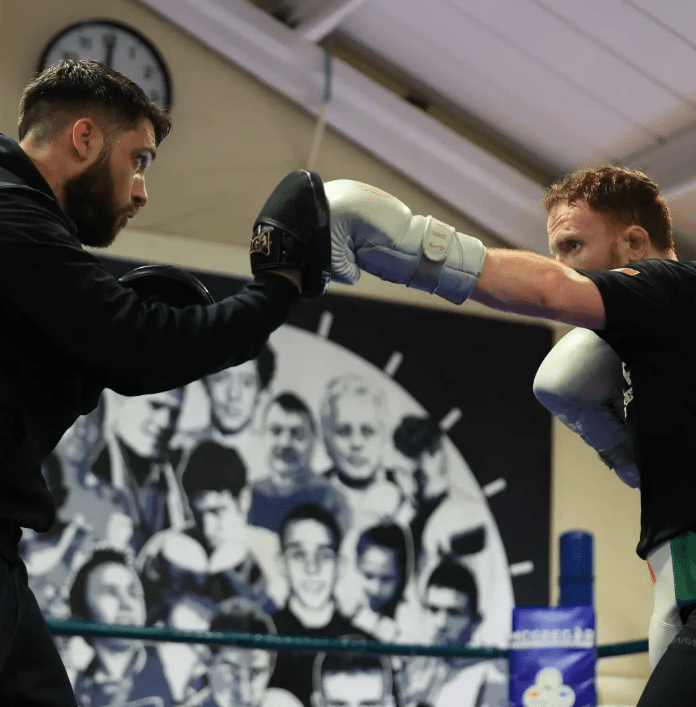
[70, 329]
[650, 323]
[294, 669]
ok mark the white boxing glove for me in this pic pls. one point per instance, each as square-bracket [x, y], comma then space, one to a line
[373, 230]
[581, 382]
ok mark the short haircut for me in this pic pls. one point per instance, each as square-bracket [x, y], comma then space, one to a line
[394, 538]
[625, 196]
[265, 362]
[265, 365]
[79, 607]
[454, 575]
[212, 467]
[311, 511]
[290, 402]
[354, 664]
[70, 88]
[416, 435]
[241, 615]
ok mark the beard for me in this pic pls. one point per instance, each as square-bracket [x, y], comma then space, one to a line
[90, 203]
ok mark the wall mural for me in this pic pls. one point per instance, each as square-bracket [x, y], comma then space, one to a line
[379, 472]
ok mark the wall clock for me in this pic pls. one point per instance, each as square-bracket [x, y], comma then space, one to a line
[119, 46]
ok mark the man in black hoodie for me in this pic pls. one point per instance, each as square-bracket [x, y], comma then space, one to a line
[87, 136]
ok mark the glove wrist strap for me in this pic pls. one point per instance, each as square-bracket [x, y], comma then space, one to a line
[450, 263]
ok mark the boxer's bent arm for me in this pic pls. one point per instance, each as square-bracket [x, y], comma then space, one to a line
[534, 285]
[133, 348]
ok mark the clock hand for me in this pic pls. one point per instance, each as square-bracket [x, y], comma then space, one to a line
[110, 43]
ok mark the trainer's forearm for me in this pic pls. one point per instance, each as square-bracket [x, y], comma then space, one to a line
[531, 284]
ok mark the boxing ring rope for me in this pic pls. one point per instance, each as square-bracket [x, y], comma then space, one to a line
[92, 629]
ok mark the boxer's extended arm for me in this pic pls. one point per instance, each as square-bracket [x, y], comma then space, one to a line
[532, 284]
[374, 231]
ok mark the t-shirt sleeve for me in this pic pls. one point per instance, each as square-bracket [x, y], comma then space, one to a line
[644, 302]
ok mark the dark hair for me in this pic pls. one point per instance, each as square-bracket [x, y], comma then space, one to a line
[353, 663]
[394, 538]
[242, 615]
[454, 575]
[416, 435]
[626, 196]
[70, 87]
[79, 607]
[311, 511]
[212, 467]
[265, 365]
[293, 403]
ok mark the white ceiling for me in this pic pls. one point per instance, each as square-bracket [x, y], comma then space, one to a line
[553, 84]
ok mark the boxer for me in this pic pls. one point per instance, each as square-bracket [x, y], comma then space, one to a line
[615, 273]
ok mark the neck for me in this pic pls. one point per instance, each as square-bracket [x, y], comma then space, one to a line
[49, 166]
[310, 617]
[356, 484]
[114, 658]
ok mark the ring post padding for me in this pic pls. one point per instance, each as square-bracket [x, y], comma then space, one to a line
[576, 578]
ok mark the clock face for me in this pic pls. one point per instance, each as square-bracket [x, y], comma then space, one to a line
[118, 46]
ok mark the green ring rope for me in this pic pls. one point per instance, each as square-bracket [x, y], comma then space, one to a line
[300, 643]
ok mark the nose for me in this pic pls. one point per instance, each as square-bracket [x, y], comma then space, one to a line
[356, 441]
[233, 388]
[311, 563]
[125, 602]
[439, 619]
[243, 689]
[210, 524]
[139, 192]
[283, 438]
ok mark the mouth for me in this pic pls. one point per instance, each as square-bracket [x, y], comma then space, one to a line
[313, 586]
[357, 462]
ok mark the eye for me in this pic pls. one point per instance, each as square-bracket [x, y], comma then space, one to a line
[143, 161]
[569, 246]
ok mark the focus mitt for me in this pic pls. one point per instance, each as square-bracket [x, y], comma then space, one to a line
[293, 232]
[167, 283]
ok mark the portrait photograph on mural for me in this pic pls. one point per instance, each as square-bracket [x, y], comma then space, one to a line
[367, 475]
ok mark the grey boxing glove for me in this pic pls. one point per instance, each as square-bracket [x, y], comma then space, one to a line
[581, 383]
[374, 231]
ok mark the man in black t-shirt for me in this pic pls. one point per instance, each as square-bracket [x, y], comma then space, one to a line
[310, 541]
[614, 272]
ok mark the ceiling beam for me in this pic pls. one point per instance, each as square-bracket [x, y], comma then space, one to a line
[483, 187]
[671, 163]
[319, 21]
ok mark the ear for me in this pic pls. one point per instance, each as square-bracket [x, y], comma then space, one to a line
[341, 566]
[282, 567]
[475, 625]
[638, 243]
[244, 501]
[86, 139]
